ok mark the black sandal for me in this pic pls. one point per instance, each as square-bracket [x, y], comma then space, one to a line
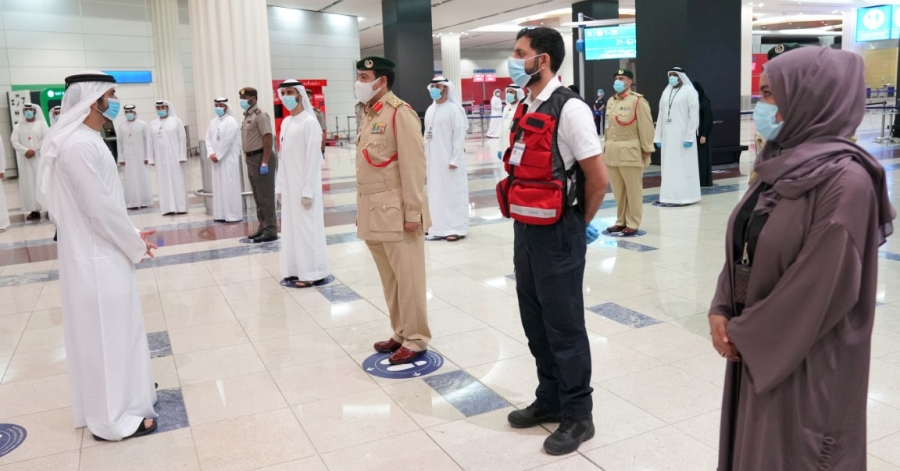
[454, 238]
[306, 284]
[140, 432]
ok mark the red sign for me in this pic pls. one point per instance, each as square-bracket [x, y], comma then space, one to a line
[490, 77]
[480, 78]
[314, 83]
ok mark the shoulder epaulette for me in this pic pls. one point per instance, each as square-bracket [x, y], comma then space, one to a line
[395, 101]
[258, 111]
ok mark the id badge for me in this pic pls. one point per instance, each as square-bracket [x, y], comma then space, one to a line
[669, 120]
[515, 158]
[741, 283]
[428, 135]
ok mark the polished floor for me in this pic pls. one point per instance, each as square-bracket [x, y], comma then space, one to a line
[256, 376]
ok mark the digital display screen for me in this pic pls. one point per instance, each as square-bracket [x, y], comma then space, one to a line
[875, 23]
[610, 42]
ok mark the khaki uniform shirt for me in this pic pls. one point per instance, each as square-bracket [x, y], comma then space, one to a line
[630, 130]
[256, 125]
[389, 194]
[321, 117]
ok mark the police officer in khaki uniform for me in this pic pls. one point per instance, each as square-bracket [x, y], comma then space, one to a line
[629, 144]
[391, 206]
[256, 139]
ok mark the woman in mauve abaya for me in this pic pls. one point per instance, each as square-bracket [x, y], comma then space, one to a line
[799, 345]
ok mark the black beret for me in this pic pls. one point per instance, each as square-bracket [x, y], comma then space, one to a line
[781, 49]
[375, 63]
[625, 72]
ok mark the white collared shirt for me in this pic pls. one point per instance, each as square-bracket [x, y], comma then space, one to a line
[577, 137]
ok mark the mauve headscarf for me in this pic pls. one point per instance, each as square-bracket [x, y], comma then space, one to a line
[820, 93]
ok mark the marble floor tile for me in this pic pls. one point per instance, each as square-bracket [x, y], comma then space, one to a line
[423, 404]
[465, 393]
[219, 363]
[15, 324]
[173, 450]
[154, 321]
[222, 399]
[267, 438]
[171, 409]
[360, 338]
[283, 324]
[165, 373]
[34, 396]
[37, 364]
[623, 315]
[343, 314]
[610, 359]
[478, 347]
[877, 464]
[887, 449]
[191, 297]
[666, 448]
[883, 421]
[4, 362]
[313, 463]
[68, 461]
[49, 432]
[664, 306]
[459, 294]
[351, 420]
[180, 318]
[664, 342]
[452, 320]
[408, 452]
[685, 396]
[884, 383]
[488, 442]
[265, 305]
[300, 349]
[703, 428]
[159, 343]
[514, 379]
[183, 283]
[334, 377]
[574, 463]
[8, 343]
[208, 336]
[494, 311]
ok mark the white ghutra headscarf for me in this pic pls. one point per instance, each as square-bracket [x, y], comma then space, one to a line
[452, 94]
[304, 100]
[82, 92]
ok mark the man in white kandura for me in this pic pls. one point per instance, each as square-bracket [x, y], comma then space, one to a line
[447, 182]
[110, 375]
[496, 116]
[676, 135]
[168, 152]
[26, 138]
[54, 115]
[223, 149]
[514, 94]
[133, 140]
[298, 185]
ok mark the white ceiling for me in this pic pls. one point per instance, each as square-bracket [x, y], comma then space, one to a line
[465, 15]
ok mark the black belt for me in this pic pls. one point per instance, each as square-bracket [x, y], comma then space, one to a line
[253, 153]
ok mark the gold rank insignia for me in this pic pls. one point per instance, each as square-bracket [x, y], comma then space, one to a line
[621, 71]
[369, 63]
[378, 128]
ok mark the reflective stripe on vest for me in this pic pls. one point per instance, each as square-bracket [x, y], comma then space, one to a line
[532, 212]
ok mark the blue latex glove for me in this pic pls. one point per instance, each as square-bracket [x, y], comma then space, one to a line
[591, 234]
[263, 169]
[688, 144]
[658, 145]
[500, 155]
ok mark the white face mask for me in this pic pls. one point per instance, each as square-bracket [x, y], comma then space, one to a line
[364, 91]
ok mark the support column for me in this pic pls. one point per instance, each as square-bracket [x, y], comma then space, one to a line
[746, 55]
[597, 73]
[848, 34]
[710, 55]
[827, 41]
[167, 50]
[228, 58]
[567, 68]
[450, 60]
[408, 42]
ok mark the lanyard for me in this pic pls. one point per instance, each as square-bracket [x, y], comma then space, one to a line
[672, 94]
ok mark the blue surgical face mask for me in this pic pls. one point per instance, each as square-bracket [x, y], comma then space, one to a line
[435, 93]
[619, 86]
[517, 71]
[289, 102]
[220, 111]
[112, 109]
[130, 116]
[162, 113]
[764, 118]
[29, 114]
[511, 97]
[673, 81]
[245, 105]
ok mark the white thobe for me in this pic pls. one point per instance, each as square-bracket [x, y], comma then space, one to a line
[676, 125]
[495, 122]
[448, 190]
[110, 375]
[169, 150]
[28, 136]
[223, 138]
[133, 141]
[303, 248]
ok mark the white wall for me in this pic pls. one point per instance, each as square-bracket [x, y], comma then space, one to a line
[43, 41]
[472, 59]
[311, 45]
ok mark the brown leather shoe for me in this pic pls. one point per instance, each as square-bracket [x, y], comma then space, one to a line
[404, 355]
[615, 229]
[388, 346]
[629, 231]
